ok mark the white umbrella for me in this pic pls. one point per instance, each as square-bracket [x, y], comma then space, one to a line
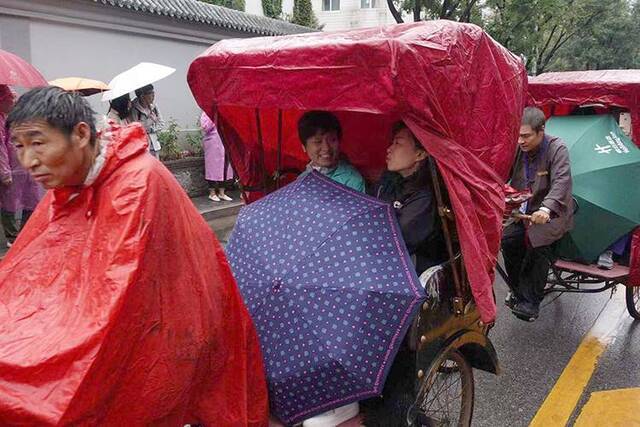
[136, 77]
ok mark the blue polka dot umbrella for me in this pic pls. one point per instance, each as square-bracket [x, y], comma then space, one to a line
[328, 281]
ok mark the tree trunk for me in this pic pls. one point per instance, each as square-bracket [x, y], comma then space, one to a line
[396, 15]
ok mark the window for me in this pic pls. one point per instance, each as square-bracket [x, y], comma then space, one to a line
[368, 4]
[330, 4]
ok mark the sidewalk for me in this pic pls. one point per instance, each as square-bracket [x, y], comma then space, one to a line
[221, 217]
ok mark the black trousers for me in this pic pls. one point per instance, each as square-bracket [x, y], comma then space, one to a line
[527, 267]
[10, 225]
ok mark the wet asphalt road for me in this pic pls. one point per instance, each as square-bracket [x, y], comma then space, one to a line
[533, 355]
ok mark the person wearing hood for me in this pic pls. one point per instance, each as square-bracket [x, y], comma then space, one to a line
[18, 191]
[118, 306]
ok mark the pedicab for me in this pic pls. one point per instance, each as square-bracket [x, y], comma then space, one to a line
[599, 97]
[461, 94]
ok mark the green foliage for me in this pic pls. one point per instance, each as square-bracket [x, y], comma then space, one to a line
[194, 142]
[539, 29]
[462, 10]
[303, 14]
[168, 138]
[548, 34]
[272, 8]
[611, 42]
[231, 4]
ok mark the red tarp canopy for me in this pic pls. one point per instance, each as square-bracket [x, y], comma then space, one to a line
[559, 93]
[563, 91]
[459, 91]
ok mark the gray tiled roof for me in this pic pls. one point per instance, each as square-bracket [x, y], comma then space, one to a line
[197, 11]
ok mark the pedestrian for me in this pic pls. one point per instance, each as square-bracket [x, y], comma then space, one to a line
[120, 110]
[18, 191]
[217, 167]
[541, 166]
[144, 110]
[117, 294]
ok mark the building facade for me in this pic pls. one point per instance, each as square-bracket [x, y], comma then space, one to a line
[335, 15]
[101, 38]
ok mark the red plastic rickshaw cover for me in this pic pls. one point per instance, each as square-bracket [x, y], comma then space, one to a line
[118, 307]
[569, 89]
[459, 91]
[558, 93]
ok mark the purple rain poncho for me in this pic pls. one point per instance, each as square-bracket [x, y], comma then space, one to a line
[23, 193]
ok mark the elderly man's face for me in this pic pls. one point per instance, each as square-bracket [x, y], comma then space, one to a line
[52, 158]
[529, 139]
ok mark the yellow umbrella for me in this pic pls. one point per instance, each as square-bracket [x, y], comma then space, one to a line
[85, 87]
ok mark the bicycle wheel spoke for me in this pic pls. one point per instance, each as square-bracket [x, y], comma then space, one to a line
[445, 397]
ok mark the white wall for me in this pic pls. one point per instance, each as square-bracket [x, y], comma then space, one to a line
[351, 15]
[64, 50]
[254, 7]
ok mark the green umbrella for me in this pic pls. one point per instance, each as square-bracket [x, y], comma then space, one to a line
[605, 166]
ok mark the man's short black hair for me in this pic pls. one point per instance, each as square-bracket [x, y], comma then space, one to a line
[61, 110]
[144, 90]
[313, 122]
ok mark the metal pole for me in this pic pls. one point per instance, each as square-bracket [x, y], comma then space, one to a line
[445, 214]
[279, 152]
[262, 156]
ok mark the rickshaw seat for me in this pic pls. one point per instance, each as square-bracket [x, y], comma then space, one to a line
[618, 271]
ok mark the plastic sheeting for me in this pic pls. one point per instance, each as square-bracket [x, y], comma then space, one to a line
[563, 91]
[118, 307]
[459, 91]
[559, 93]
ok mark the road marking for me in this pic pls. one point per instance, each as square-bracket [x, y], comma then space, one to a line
[611, 408]
[565, 394]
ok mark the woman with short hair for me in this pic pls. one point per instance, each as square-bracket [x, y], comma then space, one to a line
[408, 187]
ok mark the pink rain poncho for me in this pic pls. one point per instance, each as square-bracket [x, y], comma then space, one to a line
[215, 166]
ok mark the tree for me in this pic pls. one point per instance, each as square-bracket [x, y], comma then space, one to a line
[272, 8]
[539, 29]
[613, 41]
[455, 10]
[231, 4]
[303, 14]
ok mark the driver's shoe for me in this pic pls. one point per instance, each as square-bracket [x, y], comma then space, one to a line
[526, 311]
[510, 300]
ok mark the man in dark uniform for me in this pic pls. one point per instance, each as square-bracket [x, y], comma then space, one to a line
[541, 166]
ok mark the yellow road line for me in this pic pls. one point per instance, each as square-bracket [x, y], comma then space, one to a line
[565, 394]
[613, 408]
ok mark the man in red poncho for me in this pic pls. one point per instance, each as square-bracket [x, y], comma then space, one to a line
[117, 305]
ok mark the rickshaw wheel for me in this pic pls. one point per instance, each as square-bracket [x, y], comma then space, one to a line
[445, 394]
[633, 301]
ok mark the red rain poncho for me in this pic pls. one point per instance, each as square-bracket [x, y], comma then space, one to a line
[117, 307]
[459, 91]
[561, 92]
